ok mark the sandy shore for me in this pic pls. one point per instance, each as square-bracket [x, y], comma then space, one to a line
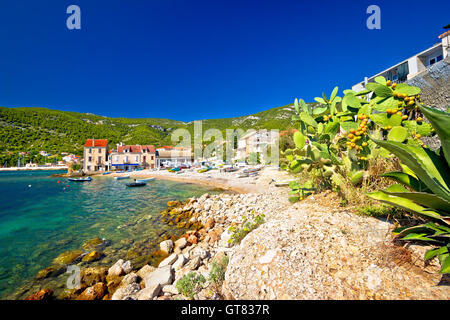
[214, 178]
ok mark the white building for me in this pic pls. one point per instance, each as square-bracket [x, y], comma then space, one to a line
[255, 142]
[413, 66]
[173, 157]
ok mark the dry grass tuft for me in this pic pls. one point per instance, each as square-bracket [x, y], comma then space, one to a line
[355, 196]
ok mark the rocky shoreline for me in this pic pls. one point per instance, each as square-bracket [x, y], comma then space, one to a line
[259, 246]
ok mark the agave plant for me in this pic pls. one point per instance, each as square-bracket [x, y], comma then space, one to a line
[423, 188]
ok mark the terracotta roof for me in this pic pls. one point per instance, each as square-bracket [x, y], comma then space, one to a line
[287, 132]
[136, 149]
[444, 34]
[96, 143]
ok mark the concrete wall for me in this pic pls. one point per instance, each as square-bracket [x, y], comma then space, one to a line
[435, 84]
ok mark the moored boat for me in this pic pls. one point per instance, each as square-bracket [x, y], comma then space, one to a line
[145, 180]
[80, 179]
[121, 177]
[136, 184]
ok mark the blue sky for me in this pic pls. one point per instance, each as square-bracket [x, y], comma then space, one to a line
[200, 59]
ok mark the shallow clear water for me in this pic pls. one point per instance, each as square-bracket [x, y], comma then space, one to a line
[41, 218]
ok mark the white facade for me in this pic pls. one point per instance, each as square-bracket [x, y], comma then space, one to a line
[412, 66]
[255, 142]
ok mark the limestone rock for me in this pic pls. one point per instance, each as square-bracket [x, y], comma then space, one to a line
[168, 261]
[224, 239]
[161, 276]
[166, 246]
[181, 243]
[145, 270]
[171, 289]
[194, 263]
[148, 293]
[96, 292]
[180, 262]
[126, 292]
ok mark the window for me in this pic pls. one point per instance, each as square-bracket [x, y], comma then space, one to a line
[439, 58]
[89, 159]
[137, 158]
[100, 159]
[152, 158]
[117, 158]
[88, 168]
[432, 61]
[90, 150]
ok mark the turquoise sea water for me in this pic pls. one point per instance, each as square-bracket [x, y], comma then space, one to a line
[41, 218]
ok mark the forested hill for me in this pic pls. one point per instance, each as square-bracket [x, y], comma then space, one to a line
[35, 129]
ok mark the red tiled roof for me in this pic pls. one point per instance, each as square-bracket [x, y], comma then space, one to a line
[446, 33]
[136, 149]
[96, 143]
[287, 132]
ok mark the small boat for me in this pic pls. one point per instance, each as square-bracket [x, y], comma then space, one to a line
[204, 169]
[243, 175]
[281, 183]
[122, 177]
[80, 179]
[252, 170]
[175, 169]
[136, 184]
[105, 173]
[145, 180]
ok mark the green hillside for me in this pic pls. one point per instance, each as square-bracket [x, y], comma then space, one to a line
[35, 129]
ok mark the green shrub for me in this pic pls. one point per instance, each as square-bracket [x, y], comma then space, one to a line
[217, 273]
[249, 224]
[190, 284]
[381, 211]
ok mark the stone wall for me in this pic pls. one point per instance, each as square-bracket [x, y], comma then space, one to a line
[435, 84]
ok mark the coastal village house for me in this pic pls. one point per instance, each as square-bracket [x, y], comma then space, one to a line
[95, 155]
[127, 157]
[414, 65]
[173, 156]
[254, 142]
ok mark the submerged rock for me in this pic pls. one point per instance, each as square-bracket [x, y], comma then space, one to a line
[92, 244]
[52, 271]
[43, 295]
[68, 257]
[173, 203]
[92, 256]
[93, 275]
